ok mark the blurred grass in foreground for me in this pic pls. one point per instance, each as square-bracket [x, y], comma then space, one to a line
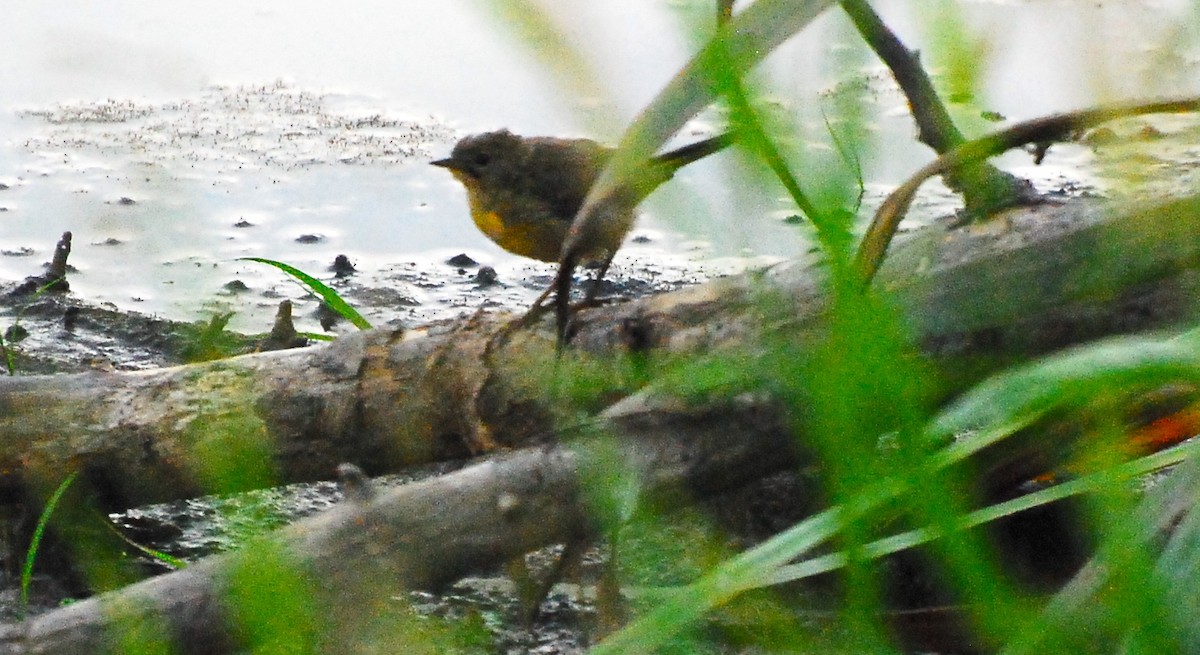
[889, 453]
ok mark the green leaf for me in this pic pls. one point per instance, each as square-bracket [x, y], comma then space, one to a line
[328, 295]
[38, 531]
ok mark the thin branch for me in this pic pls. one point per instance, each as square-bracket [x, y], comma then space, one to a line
[984, 187]
[1040, 130]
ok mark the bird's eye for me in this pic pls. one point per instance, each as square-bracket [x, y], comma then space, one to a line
[482, 159]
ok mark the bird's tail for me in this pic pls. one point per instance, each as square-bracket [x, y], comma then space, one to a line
[680, 157]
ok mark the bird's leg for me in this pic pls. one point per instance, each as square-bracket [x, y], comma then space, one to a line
[532, 592]
[536, 311]
[539, 307]
[562, 296]
[611, 610]
[594, 289]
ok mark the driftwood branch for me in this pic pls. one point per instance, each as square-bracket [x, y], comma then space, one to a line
[355, 557]
[1061, 275]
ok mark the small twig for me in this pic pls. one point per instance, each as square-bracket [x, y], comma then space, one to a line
[54, 280]
[1057, 127]
[756, 137]
[850, 157]
[58, 266]
[984, 187]
[283, 332]
[934, 125]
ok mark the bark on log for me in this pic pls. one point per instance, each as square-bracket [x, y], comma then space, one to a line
[351, 561]
[1048, 277]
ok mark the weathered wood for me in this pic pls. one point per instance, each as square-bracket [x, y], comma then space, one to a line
[1032, 281]
[352, 561]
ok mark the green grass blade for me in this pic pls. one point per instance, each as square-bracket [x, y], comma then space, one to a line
[766, 564]
[1033, 389]
[1006, 402]
[912, 538]
[169, 560]
[748, 38]
[36, 541]
[318, 287]
[996, 408]
[749, 570]
[9, 362]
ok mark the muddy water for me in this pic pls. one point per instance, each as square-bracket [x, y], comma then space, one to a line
[163, 138]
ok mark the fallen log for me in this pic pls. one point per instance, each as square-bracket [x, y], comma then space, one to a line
[975, 299]
[1039, 294]
[350, 562]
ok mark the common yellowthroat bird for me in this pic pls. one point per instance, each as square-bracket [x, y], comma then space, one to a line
[525, 191]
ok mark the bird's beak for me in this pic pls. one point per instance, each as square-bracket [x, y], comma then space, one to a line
[444, 163]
